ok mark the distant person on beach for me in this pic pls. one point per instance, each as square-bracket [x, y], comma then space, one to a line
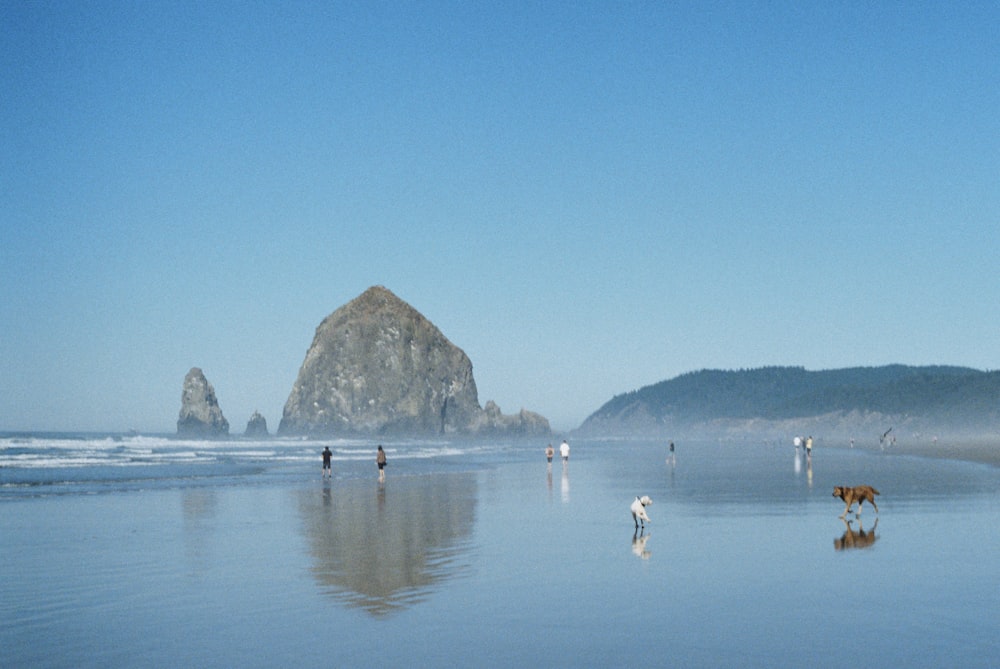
[798, 442]
[380, 461]
[670, 457]
[327, 468]
[564, 450]
[549, 452]
[809, 446]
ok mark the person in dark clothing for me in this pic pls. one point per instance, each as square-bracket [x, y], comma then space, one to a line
[380, 461]
[327, 467]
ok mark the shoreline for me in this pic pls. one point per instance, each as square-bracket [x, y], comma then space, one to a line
[978, 450]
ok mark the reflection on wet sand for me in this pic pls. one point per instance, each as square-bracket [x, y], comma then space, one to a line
[809, 466]
[564, 487]
[382, 547]
[199, 508]
[855, 539]
[639, 545]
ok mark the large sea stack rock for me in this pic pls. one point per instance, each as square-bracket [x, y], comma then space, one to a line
[200, 416]
[377, 366]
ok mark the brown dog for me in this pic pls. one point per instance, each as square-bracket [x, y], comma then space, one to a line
[859, 494]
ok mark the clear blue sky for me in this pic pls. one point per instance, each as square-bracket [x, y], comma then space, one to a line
[585, 197]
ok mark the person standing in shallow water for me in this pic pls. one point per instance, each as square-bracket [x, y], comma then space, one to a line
[564, 451]
[380, 461]
[549, 452]
[327, 468]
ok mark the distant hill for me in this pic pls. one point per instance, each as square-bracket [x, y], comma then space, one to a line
[857, 401]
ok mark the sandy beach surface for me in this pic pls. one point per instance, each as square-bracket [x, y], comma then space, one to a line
[972, 450]
[486, 555]
[985, 450]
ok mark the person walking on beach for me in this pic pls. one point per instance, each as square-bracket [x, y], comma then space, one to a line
[564, 450]
[327, 468]
[380, 461]
[549, 452]
[809, 446]
[671, 458]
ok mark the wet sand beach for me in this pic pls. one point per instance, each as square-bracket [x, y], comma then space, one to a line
[985, 450]
[971, 450]
[493, 557]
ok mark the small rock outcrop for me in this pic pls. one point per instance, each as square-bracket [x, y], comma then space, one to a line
[256, 426]
[200, 414]
[377, 366]
[525, 423]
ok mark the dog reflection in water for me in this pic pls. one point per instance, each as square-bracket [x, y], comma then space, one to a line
[639, 545]
[855, 538]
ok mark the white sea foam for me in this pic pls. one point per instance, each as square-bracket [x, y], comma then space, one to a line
[36, 452]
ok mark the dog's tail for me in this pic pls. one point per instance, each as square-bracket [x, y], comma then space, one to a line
[876, 491]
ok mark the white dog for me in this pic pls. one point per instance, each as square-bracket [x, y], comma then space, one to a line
[639, 510]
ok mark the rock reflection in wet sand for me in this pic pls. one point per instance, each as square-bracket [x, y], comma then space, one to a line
[200, 506]
[384, 547]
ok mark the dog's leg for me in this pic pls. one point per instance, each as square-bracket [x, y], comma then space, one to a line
[875, 505]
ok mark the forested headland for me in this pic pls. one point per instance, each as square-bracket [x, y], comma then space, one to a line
[857, 401]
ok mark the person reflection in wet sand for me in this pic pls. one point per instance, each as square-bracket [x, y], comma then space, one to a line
[855, 539]
[564, 489]
[549, 452]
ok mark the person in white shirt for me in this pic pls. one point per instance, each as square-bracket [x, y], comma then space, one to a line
[564, 450]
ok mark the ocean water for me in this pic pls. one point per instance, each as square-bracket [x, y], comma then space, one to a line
[136, 551]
